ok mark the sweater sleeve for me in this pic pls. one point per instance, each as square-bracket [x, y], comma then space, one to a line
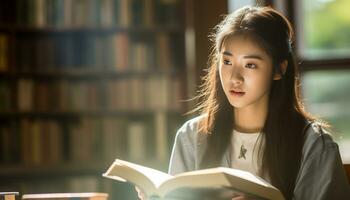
[322, 175]
[182, 156]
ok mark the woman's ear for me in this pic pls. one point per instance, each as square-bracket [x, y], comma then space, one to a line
[283, 68]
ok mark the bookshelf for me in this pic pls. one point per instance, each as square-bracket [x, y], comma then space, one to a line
[83, 82]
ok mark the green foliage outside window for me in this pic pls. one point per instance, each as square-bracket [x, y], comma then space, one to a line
[326, 28]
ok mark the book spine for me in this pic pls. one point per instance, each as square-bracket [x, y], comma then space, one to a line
[125, 13]
[122, 51]
[5, 142]
[105, 13]
[136, 141]
[161, 135]
[149, 13]
[55, 142]
[25, 94]
[5, 96]
[137, 12]
[68, 13]
[40, 15]
[84, 183]
[9, 197]
[113, 138]
[3, 53]
[25, 135]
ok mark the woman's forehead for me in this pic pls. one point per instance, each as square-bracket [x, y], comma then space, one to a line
[243, 43]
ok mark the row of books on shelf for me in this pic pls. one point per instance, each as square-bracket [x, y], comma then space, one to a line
[125, 94]
[33, 142]
[96, 13]
[113, 52]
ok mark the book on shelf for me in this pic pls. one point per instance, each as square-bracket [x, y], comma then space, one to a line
[115, 51]
[67, 196]
[8, 195]
[5, 96]
[4, 52]
[114, 140]
[97, 13]
[216, 183]
[84, 138]
[148, 13]
[161, 124]
[25, 89]
[39, 142]
[136, 133]
[164, 60]
[83, 183]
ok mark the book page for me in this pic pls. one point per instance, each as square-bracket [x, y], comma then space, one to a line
[248, 176]
[235, 172]
[221, 177]
[157, 177]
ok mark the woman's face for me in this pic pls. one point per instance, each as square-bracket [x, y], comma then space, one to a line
[245, 72]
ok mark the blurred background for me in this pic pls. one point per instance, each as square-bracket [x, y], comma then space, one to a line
[83, 82]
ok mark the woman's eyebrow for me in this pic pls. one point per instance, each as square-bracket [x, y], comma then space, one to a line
[227, 53]
[253, 56]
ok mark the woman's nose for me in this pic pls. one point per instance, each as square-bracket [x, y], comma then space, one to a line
[236, 76]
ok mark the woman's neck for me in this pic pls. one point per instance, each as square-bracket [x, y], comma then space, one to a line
[250, 119]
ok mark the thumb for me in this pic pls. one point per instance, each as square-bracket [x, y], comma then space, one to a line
[140, 193]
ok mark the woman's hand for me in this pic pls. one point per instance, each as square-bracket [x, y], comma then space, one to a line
[140, 193]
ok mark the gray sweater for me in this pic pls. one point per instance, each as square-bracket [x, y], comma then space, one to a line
[321, 174]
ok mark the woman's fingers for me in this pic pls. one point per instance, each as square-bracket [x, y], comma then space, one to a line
[140, 194]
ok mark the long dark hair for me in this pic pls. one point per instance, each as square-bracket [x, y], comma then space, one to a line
[283, 131]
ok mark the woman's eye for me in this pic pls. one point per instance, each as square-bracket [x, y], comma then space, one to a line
[226, 62]
[250, 66]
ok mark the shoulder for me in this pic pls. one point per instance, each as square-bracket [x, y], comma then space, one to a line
[321, 167]
[189, 131]
[317, 141]
[192, 124]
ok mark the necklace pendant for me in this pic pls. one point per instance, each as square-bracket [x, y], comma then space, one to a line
[242, 152]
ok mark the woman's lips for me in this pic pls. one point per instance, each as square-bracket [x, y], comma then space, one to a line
[236, 93]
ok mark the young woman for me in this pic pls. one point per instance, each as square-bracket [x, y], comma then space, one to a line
[252, 115]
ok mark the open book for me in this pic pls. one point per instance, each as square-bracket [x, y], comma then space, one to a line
[214, 183]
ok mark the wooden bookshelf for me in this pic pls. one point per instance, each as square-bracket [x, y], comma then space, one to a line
[80, 88]
[88, 74]
[106, 113]
[30, 172]
[54, 30]
[52, 171]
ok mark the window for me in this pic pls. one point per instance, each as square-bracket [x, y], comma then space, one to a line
[235, 4]
[323, 28]
[323, 46]
[331, 102]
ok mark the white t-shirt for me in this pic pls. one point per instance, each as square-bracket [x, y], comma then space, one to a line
[244, 153]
